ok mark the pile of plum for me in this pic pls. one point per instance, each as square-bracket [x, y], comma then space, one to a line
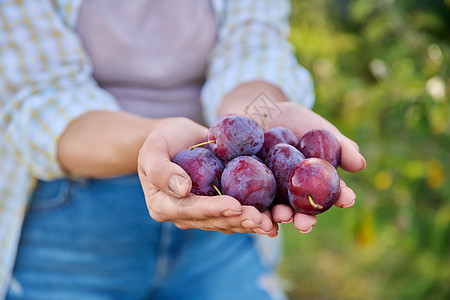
[263, 168]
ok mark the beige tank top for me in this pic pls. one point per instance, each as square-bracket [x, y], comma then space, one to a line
[151, 55]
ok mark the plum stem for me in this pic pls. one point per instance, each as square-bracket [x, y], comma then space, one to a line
[217, 190]
[246, 109]
[316, 206]
[201, 144]
[265, 122]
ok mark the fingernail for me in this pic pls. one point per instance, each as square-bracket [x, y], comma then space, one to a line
[230, 213]
[349, 205]
[248, 224]
[178, 185]
[306, 231]
[363, 161]
[288, 221]
[273, 235]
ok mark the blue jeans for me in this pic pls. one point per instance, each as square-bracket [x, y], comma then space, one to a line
[94, 239]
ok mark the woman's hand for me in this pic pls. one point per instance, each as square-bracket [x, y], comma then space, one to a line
[299, 120]
[167, 186]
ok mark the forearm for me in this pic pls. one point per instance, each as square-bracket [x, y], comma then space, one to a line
[103, 143]
[240, 99]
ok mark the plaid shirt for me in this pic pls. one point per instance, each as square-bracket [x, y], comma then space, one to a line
[46, 82]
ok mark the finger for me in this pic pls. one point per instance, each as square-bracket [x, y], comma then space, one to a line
[212, 225]
[225, 210]
[346, 197]
[273, 232]
[248, 221]
[304, 223]
[196, 207]
[266, 223]
[249, 213]
[351, 159]
[282, 213]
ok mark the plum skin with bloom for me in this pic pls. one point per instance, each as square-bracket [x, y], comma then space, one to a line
[313, 179]
[249, 181]
[234, 136]
[203, 167]
[225, 162]
[274, 136]
[280, 160]
[322, 144]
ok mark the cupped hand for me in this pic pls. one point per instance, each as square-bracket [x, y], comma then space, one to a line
[167, 186]
[300, 120]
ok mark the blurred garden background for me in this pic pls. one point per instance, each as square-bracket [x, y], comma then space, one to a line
[381, 70]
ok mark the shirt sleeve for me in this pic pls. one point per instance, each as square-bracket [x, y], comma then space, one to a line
[253, 45]
[45, 83]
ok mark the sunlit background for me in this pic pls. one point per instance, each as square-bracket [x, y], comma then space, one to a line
[381, 70]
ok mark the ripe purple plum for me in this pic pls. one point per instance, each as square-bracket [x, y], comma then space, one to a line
[235, 135]
[250, 182]
[280, 160]
[322, 144]
[274, 136]
[225, 162]
[313, 186]
[203, 167]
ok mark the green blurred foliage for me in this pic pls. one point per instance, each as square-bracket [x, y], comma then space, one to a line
[381, 70]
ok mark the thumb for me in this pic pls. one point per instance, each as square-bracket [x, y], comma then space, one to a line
[156, 168]
[171, 179]
[179, 184]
